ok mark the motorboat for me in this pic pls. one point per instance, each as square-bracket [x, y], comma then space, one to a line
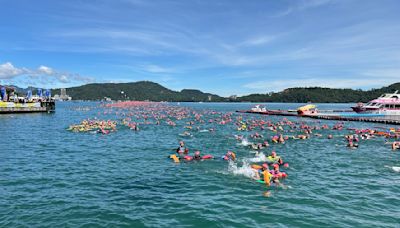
[386, 104]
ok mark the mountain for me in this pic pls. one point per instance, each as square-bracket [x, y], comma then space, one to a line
[146, 90]
[197, 95]
[320, 95]
[142, 90]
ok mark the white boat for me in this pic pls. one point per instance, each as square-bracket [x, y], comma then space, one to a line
[387, 104]
[258, 108]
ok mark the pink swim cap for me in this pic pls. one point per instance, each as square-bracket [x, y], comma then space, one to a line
[197, 153]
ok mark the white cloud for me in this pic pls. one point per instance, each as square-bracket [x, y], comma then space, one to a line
[157, 69]
[43, 73]
[257, 41]
[301, 5]
[45, 70]
[8, 71]
[64, 78]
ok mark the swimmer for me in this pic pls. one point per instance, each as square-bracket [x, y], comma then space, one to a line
[229, 156]
[274, 158]
[264, 174]
[197, 156]
[302, 137]
[395, 145]
[257, 146]
[352, 145]
[182, 148]
[281, 139]
[276, 174]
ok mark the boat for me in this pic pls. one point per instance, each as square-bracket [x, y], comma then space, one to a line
[309, 109]
[259, 108]
[386, 104]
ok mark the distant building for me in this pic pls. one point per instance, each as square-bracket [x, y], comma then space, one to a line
[63, 95]
[209, 97]
[233, 97]
[63, 92]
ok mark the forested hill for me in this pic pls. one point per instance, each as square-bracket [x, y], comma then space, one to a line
[320, 95]
[143, 90]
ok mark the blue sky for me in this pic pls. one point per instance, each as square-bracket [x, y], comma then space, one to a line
[223, 47]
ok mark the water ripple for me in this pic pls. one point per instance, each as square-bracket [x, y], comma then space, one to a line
[126, 179]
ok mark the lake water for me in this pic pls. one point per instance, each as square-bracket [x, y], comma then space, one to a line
[51, 177]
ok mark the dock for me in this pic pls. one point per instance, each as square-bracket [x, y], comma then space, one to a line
[395, 120]
[373, 118]
[45, 106]
[271, 112]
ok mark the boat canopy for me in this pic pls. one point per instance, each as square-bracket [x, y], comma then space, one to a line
[306, 107]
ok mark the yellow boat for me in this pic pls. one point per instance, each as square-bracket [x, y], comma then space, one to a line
[309, 109]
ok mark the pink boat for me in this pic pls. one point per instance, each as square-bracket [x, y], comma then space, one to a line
[387, 104]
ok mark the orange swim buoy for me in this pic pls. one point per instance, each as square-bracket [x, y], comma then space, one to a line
[254, 166]
[267, 177]
[175, 158]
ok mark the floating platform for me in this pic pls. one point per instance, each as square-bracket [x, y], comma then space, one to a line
[11, 107]
[373, 118]
[271, 112]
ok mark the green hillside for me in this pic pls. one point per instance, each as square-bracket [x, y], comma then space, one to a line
[143, 90]
[146, 90]
[320, 95]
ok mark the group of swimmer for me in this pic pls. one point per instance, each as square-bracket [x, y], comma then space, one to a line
[188, 124]
[262, 172]
[100, 126]
[306, 132]
[183, 153]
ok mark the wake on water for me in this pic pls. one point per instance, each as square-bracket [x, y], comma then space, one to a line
[259, 157]
[244, 142]
[244, 170]
[394, 168]
[247, 171]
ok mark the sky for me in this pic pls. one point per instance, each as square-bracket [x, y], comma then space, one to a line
[226, 47]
